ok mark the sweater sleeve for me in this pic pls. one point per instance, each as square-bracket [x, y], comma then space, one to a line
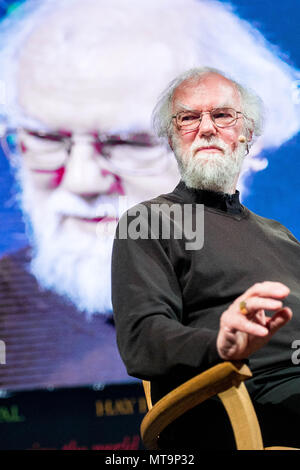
[148, 310]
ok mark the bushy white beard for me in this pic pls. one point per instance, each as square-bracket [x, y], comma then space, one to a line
[76, 266]
[213, 172]
[73, 263]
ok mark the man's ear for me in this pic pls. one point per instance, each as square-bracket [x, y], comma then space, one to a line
[249, 135]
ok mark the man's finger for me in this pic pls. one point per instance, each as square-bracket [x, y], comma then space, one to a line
[241, 323]
[260, 317]
[254, 304]
[275, 290]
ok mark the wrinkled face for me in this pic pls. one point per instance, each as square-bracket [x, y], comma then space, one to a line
[212, 152]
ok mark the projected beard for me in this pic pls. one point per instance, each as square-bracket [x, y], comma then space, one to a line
[213, 172]
[74, 263]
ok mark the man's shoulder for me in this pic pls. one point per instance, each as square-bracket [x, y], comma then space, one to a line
[264, 220]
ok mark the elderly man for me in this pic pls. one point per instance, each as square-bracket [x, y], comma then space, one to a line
[181, 309]
[78, 106]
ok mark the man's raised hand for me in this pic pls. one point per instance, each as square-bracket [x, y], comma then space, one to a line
[242, 334]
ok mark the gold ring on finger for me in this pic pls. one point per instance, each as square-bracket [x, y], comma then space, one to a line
[243, 308]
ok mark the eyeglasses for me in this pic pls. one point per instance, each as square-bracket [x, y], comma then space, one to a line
[130, 153]
[221, 117]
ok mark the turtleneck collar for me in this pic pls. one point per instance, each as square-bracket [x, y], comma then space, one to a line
[229, 203]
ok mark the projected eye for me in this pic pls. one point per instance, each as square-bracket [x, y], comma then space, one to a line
[46, 136]
[37, 142]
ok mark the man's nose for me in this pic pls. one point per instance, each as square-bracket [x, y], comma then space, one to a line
[207, 127]
[85, 173]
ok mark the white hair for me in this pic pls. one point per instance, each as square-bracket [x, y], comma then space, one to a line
[251, 105]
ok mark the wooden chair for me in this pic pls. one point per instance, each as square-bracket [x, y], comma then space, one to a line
[225, 380]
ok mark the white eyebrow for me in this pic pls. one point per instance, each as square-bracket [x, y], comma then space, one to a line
[184, 107]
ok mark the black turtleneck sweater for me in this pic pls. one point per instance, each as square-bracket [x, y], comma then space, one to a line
[168, 300]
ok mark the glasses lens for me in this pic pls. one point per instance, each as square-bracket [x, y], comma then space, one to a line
[224, 117]
[133, 154]
[188, 120]
[135, 160]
